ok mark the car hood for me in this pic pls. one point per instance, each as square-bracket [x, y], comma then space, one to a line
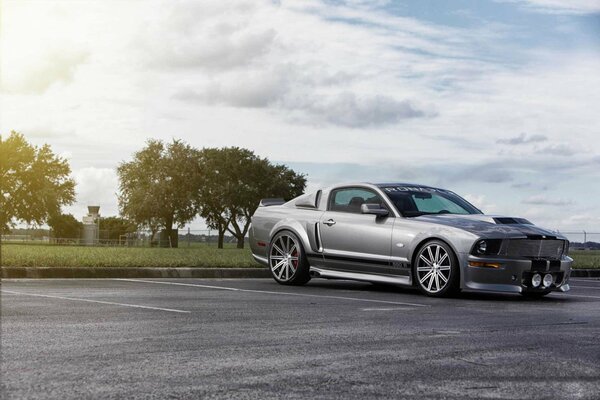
[489, 225]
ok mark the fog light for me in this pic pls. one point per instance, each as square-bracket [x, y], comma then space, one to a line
[536, 279]
[548, 280]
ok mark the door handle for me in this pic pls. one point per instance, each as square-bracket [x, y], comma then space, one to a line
[329, 222]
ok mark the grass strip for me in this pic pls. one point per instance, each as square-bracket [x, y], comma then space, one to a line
[198, 255]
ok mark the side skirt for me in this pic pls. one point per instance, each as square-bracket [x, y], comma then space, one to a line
[326, 273]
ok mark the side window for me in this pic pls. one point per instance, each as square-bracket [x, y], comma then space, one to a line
[351, 199]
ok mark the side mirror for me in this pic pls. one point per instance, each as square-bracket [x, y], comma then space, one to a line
[374, 209]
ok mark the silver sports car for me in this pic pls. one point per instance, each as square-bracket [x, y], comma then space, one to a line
[409, 235]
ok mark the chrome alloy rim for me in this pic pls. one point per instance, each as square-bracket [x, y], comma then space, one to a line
[284, 257]
[433, 268]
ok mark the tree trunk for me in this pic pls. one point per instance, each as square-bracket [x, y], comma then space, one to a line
[169, 232]
[240, 242]
[238, 233]
[152, 235]
[221, 230]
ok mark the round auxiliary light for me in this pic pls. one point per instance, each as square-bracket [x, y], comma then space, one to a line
[547, 280]
[536, 279]
[482, 247]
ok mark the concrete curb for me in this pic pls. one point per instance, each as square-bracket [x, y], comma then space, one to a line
[109, 272]
[585, 273]
[113, 272]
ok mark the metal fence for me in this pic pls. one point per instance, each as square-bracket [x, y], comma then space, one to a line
[583, 240]
[184, 238]
[580, 239]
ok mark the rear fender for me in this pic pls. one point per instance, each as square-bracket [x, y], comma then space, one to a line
[297, 228]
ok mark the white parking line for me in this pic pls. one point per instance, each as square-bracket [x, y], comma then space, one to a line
[577, 295]
[270, 292]
[95, 301]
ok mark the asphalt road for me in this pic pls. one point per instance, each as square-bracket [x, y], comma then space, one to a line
[77, 339]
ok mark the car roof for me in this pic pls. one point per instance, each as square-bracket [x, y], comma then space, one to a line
[396, 184]
[385, 185]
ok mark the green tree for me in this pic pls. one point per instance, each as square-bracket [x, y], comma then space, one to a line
[34, 182]
[65, 226]
[233, 183]
[158, 188]
[214, 190]
[115, 227]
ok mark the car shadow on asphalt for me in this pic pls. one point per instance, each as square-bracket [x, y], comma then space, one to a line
[474, 296]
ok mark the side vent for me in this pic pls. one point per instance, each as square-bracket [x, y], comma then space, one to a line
[318, 237]
[271, 202]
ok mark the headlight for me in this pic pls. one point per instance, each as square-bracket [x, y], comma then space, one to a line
[481, 247]
[487, 247]
[548, 280]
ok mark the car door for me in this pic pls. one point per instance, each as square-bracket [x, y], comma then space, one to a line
[353, 241]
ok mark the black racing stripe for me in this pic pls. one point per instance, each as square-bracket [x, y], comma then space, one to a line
[357, 260]
[382, 272]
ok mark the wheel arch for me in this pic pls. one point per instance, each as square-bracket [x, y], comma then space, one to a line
[293, 226]
[422, 243]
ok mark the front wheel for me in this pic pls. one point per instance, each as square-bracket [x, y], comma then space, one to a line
[436, 269]
[287, 259]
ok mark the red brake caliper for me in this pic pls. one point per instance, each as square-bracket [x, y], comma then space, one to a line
[295, 262]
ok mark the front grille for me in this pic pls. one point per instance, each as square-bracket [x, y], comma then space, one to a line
[543, 248]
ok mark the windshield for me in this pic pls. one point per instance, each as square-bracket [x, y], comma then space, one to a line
[415, 201]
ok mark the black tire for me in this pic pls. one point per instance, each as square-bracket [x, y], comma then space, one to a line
[287, 260]
[535, 295]
[434, 262]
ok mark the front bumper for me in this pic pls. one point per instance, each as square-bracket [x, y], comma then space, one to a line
[511, 274]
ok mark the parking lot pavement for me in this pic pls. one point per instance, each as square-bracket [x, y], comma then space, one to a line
[329, 339]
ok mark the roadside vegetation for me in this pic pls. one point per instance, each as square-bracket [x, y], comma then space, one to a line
[199, 255]
[586, 258]
[163, 187]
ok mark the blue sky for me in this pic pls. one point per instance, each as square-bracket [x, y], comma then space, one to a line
[495, 100]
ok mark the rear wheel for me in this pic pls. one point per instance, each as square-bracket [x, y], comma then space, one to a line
[436, 269]
[287, 259]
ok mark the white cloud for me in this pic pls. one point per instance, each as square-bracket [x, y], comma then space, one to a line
[481, 202]
[95, 187]
[523, 139]
[307, 82]
[547, 201]
[559, 149]
[351, 110]
[559, 6]
[52, 68]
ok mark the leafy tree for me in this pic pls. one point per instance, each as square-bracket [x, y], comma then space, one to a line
[65, 226]
[34, 182]
[158, 188]
[214, 190]
[115, 227]
[234, 181]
